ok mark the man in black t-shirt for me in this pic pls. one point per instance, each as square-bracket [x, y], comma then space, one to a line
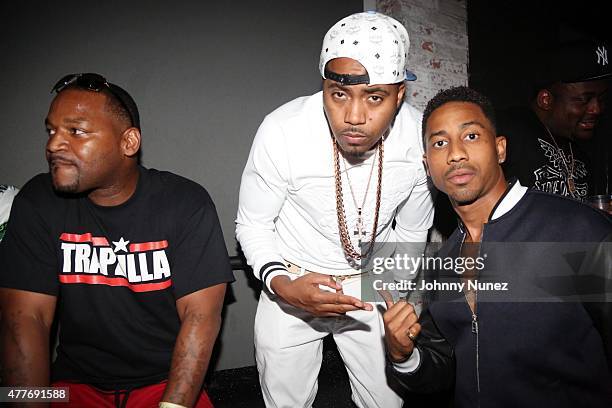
[132, 259]
[544, 149]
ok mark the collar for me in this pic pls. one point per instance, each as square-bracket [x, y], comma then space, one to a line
[506, 202]
[509, 199]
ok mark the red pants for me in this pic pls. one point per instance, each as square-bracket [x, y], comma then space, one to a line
[86, 396]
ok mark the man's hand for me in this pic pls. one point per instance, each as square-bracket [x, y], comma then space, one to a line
[400, 319]
[304, 293]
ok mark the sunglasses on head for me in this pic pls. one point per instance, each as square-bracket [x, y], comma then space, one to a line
[90, 81]
[95, 82]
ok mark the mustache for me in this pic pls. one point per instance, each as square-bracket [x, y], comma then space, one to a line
[456, 167]
[354, 130]
[58, 157]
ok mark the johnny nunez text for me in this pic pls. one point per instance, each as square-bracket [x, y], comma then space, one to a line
[406, 285]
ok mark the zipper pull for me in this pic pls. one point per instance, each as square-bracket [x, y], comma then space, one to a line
[474, 324]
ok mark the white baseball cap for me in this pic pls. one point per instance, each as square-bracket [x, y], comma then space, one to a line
[378, 42]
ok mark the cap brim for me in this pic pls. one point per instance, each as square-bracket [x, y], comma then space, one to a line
[590, 78]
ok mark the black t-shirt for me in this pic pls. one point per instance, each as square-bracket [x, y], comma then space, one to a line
[599, 150]
[533, 157]
[117, 272]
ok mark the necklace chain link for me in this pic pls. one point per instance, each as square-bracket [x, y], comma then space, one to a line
[347, 245]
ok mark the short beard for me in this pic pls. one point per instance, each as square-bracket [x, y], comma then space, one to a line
[464, 198]
[71, 188]
[352, 154]
[67, 189]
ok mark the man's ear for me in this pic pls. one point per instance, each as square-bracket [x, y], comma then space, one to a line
[425, 164]
[544, 99]
[401, 91]
[500, 146]
[130, 141]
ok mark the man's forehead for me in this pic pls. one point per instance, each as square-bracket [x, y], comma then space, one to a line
[345, 65]
[81, 97]
[457, 115]
[359, 88]
[582, 87]
[71, 105]
[79, 100]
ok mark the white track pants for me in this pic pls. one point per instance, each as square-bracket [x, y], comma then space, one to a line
[289, 343]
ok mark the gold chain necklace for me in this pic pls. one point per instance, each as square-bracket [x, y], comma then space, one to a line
[359, 231]
[571, 185]
[347, 245]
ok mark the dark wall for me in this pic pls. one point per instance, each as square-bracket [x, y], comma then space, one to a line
[505, 39]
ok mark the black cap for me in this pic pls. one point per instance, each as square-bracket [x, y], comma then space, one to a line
[577, 61]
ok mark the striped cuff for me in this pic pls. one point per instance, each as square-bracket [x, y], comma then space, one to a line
[270, 270]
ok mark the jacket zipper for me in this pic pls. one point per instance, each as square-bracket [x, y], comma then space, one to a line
[474, 314]
[475, 331]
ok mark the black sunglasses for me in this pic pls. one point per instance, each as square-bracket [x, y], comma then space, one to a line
[90, 81]
[96, 82]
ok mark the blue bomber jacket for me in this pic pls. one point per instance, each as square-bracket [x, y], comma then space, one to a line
[547, 342]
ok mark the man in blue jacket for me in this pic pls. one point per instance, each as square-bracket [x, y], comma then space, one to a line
[506, 348]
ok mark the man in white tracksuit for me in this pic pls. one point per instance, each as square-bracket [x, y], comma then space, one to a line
[328, 174]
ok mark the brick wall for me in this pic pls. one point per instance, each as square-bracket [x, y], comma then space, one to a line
[438, 43]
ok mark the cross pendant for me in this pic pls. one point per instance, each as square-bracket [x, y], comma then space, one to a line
[359, 232]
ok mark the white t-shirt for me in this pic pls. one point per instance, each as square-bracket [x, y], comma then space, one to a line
[287, 206]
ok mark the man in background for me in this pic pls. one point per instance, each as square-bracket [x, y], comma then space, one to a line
[545, 141]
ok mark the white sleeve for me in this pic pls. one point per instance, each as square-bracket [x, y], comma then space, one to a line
[412, 222]
[409, 365]
[263, 190]
[415, 215]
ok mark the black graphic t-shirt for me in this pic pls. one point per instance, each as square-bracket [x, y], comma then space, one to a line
[533, 157]
[117, 272]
